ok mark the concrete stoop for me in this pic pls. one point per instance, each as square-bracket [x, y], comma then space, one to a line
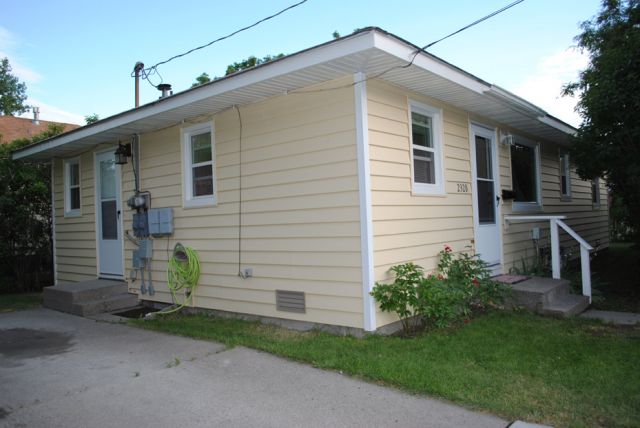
[87, 298]
[547, 296]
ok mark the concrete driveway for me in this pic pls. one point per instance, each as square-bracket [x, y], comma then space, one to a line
[58, 370]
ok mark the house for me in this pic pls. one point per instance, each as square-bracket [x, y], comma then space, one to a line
[13, 128]
[312, 175]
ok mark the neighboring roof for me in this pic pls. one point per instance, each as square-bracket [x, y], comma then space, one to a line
[13, 128]
[371, 51]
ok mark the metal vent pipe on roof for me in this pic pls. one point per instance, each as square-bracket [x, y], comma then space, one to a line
[36, 115]
[165, 88]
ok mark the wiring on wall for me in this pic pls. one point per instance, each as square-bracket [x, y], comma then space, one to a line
[240, 273]
[150, 71]
[415, 54]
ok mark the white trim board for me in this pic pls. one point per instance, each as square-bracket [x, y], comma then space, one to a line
[364, 181]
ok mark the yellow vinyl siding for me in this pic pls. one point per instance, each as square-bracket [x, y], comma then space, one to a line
[408, 227]
[75, 237]
[300, 212]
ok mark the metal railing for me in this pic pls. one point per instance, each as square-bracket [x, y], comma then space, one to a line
[585, 248]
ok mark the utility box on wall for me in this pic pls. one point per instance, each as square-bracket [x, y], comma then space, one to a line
[161, 221]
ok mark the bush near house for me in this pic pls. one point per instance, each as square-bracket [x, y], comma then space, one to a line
[25, 219]
[461, 284]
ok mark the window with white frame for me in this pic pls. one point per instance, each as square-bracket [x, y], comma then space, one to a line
[525, 175]
[595, 192]
[72, 187]
[426, 149]
[199, 165]
[565, 177]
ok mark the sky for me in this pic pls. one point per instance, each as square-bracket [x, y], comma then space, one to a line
[76, 57]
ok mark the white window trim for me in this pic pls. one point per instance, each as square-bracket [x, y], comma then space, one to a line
[438, 148]
[537, 204]
[188, 200]
[68, 212]
[565, 163]
[595, 204]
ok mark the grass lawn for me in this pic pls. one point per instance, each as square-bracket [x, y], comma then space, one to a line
[616, 273]
[516, 365]
[19, 302]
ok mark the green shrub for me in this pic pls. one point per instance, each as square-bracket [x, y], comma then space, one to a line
[460, 285]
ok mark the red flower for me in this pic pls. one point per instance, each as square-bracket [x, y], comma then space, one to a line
[475, 282]
[447, 249]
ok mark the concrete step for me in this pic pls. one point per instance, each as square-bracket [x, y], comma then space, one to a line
[114, 303]
[536, 292]
[566, 306]
[84, 291]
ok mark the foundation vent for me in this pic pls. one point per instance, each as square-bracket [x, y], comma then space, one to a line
[290, 301]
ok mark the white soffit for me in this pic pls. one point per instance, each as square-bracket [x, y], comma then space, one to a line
[371, 51]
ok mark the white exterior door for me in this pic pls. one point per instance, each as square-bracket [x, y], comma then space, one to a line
[486, 200]
[108, 216]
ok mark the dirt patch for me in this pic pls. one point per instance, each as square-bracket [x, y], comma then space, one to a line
[22, 343]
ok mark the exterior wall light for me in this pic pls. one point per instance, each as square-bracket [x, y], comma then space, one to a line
[122, 153]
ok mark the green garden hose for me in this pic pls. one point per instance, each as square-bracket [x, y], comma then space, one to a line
[183, 273]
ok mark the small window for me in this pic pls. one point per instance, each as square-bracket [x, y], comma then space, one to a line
[426, 149]
[72, 187]
[525, 174]
[199, 165]
[595, 192]
[565, 177]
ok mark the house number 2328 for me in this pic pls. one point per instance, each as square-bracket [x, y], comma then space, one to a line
[463, 188]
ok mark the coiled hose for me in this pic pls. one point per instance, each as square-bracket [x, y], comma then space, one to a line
[183, 273]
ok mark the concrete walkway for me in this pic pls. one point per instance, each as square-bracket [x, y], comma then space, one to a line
[617, 318]
[58, 370]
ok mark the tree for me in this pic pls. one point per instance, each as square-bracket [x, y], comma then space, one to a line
[12, 91]
[252, 61]
[25, 218]
[91, 118]
[608, 141]
[201, 80]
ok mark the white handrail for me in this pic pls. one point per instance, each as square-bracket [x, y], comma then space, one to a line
[554, 222]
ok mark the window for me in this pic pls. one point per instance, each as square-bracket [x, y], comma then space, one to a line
[565, 177]
[426, 149]
[595, 192]
[199, 166]
[72, 187]
[525, 173]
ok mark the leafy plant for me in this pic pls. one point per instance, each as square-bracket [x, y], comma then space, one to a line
[461, 284]
[401, 296]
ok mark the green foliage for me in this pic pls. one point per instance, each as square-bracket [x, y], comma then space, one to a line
[608, 140]
[401, 296]
[12, 91]
[460, 285]
[252, 61]
[25, 219]
[91, 118]
[201, 80]
[336, 35]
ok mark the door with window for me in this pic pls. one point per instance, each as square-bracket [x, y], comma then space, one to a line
[108, 216]
[486, 203]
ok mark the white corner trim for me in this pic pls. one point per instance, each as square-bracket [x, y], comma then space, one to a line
[53, 222]
[364, 181]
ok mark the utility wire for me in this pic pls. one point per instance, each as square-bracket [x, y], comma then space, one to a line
[149, 71]
[417, 52]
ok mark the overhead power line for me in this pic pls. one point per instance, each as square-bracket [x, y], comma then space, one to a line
[418, 51]
[149, 71]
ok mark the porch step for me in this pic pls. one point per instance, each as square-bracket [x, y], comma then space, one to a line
[547, 296]
[567, 306]
[89, 297]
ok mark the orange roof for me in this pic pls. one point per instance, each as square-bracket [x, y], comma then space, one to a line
[12, 128]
